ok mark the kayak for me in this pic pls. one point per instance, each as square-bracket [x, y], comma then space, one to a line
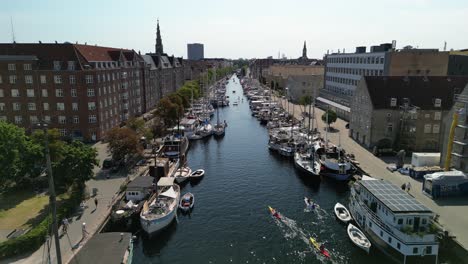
[317, 246]
[274, 213]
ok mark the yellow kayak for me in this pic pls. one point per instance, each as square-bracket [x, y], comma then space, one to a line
[271, 209]
[316, 245]
[274, 213]
[323, 251]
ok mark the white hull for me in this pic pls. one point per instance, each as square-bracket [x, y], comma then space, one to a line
[358, 238]
[342, 213]
[156, 225]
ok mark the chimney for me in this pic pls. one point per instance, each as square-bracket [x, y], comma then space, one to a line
[55, 42]
[40, 42]
[86, 43]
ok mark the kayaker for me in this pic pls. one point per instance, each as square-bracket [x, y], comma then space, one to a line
[322, 247]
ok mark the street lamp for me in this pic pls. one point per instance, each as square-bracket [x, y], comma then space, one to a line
[287, 97]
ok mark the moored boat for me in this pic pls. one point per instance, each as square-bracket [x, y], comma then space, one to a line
[197, 174]
[342, 213]
[186, 202]
[306, 163]
[358, 238]
[182, 174]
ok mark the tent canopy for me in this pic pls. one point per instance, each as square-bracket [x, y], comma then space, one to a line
[169, 193]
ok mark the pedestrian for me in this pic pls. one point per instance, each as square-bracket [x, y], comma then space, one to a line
[95, 202]
[83, 230]
[403, 186]
[408, 186]
[64, 225]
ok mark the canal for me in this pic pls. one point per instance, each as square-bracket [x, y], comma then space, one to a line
[231, 223]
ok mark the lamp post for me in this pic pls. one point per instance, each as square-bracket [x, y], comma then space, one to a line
[287, 97]
[52, 197]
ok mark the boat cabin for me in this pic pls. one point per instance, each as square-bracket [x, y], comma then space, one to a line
[139, 188]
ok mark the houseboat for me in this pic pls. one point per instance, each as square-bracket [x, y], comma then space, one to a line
[396, 222]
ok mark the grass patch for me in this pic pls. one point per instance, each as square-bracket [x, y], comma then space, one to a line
[16, 209]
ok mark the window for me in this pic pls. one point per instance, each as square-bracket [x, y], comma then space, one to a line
[33, 119]
[15, 93]
[63, 132]
[27, 66]
[58, 92]
[427, 128]
[30, 92]
[370, 224]
[12, 79]
[3, 118]
[72, 79]
[437, 115]
[44, 93]
[437, 102]
[11, 67]
[62, 120]
[92, 119]
[75, 106]
[57, 79]
[390, 240]
[1, 93]
[91, 106]
[45, 106]
[73, 93]
[415, 250]
[71, 65]
[424, 221]
[2, 106]
[43, 79]
[60, 106]
[56, 65]
[400, 221]
[398, 245]
[18, 119]
[32, 106]
[393, 102]
[89, 79]
[16, 106]
[90, 92]
[1, 80]
[428, 250]
[389, 127]
[76, 119]
[47, 119]
[381, 233]
[28, 79]
[435, 129]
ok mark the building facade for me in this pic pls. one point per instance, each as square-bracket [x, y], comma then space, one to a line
[81, 90]
[403, 112]
[303, 85]
[195, 51]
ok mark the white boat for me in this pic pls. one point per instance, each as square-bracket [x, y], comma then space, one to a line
[159, 211]
[286, 151]
[186, 202]
[182, 174]
[197, 174]
[307, 163]
[342, 213]
[358, 238]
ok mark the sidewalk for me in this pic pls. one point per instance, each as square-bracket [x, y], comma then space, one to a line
[71, 242]
[453, 216]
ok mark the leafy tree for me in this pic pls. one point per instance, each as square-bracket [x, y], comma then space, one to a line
[122, 142]
[18, 155]
[303, 101]
[136, 124]
[331, 117]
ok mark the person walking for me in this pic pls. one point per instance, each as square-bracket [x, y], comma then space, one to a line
[95, 202]
[403, 186]
[64, 225]
[83, 230]
[408, 186]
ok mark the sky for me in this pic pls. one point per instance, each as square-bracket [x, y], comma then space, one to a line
[241, 28]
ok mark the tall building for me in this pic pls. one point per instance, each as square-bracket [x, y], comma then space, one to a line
[343, 71]
[82, 90]
[195, 51]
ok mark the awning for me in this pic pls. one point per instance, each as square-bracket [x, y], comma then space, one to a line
[169, 193]
[337, 105]
[166, 181]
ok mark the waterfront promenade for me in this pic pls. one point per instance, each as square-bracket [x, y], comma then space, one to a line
[70, 243]
[452, 211]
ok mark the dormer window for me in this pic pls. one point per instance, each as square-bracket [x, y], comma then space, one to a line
[56, 65]
[438, 102]
[393, 102]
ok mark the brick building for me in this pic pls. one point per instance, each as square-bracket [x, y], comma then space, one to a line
[82, 90]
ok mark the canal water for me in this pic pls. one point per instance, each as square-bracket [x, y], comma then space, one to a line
[230, 222]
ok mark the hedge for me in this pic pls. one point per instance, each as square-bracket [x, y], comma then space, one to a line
[33, 239]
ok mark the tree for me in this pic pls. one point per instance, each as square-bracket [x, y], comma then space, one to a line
[136, 124]
[122, 142]
[331, 117]
[169, 111]
[303, 101]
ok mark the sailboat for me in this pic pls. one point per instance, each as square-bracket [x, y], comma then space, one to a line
[219, 128]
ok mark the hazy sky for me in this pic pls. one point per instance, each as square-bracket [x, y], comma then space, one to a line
[241, 28]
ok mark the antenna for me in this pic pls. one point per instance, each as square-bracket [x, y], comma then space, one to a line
[12, 30]
[445, 45]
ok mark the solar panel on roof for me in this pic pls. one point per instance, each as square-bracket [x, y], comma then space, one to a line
[393, 197]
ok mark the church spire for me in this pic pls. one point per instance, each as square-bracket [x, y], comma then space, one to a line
[159, 45]
[304, 51]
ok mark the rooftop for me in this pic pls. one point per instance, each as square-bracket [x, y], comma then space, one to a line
[393, 197]
[141, 182]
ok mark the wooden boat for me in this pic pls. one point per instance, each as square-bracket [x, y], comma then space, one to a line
[358, 238]
[197, 174]
[322, 250]
[342, 213]
[186, 202]
[182, 174]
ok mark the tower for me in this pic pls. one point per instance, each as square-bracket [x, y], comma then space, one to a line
[159, 45]
[304, 51]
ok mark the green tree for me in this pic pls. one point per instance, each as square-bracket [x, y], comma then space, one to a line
[331, 117]
[122, 142]
[136, 124]
[18, 155]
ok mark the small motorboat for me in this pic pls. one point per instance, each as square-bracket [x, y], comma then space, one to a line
[342, 213]
[182, 174]
[321, 248]
[186, 202]
[358, 238]
[197, 174]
